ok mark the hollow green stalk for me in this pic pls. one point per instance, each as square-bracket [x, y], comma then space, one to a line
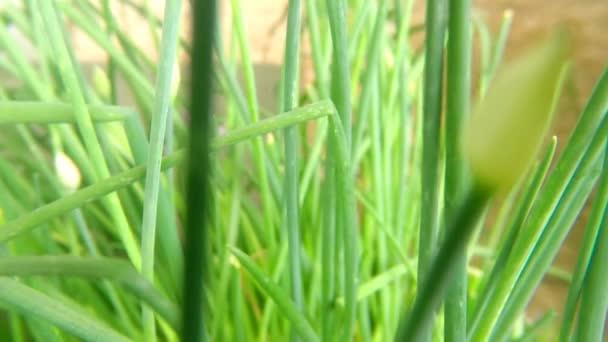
[436, 21]
[373, 54]
[346, 219]
[457, 108]
[340, 92]
[160, 117]
[290, 194]
[252, 103]
[328, 253]
[198, 196]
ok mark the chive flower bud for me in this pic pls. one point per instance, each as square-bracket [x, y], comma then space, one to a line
[101, 82]
[68, 172]
[507, 126]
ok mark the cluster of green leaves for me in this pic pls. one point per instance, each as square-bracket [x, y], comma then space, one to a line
[325, 219]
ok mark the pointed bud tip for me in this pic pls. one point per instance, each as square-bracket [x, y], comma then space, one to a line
[508, 125]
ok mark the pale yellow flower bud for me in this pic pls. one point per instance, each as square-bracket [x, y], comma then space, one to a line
[68, 172]
[101, 82]
[508, 125]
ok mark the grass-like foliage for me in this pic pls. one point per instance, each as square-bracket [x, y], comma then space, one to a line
[134, 206]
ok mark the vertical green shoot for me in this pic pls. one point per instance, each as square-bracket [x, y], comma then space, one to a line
[346, 222]
[252, 103]
[160, 116]
[291, 163]
[436, 17]
[340, 70]
[328, 251]
[457, 108]
[198, 196]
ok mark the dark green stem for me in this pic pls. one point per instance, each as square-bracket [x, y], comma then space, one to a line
[457, 103]
[198, 191]
[436, 16]
[346, 222]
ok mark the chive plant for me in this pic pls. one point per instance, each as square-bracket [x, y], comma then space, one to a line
[352, 213]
